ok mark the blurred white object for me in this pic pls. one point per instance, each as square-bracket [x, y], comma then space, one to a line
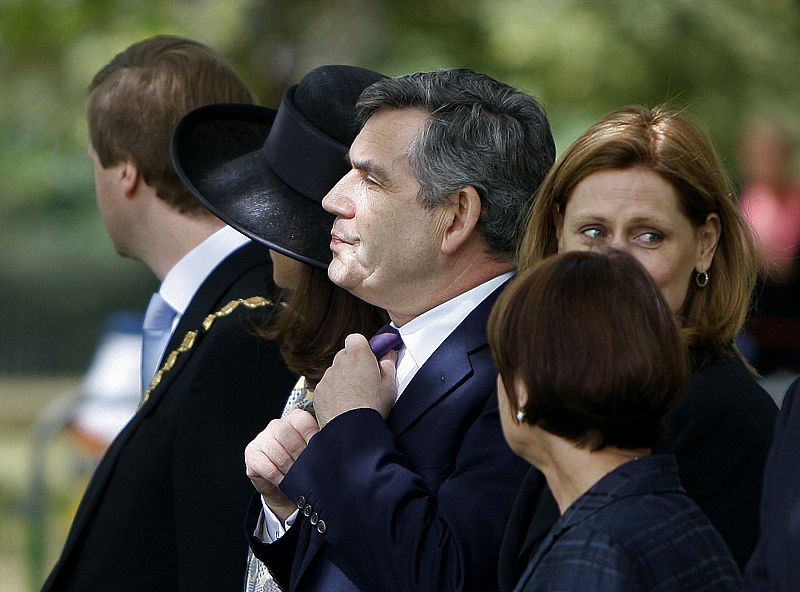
[110, 391]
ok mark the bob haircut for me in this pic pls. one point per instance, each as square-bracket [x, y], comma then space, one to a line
[674, 146]
[596, 347]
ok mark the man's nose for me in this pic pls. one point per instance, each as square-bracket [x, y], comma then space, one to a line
[336, 201]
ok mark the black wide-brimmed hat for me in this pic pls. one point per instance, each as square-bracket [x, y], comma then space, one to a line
[265, 172]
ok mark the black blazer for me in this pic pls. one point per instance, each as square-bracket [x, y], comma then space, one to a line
[721, 432]
[164, 508]
[416, 502]
[775, 566]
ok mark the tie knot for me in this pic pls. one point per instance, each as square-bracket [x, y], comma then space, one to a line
[387, 338]
[159, 314]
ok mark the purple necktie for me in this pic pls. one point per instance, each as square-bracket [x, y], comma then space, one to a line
[387, 338]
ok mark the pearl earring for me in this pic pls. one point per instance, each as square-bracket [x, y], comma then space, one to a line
[520, 416]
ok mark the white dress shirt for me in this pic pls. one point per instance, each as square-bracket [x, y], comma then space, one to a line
[187, 275]
[421, 337]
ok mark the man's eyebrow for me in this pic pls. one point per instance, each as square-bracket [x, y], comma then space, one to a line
[371, 168]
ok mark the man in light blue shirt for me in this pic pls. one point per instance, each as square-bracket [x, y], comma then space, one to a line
[173, 476]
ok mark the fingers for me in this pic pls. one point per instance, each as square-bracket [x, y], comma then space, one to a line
[264, 474]
[391, 356]
[286, 443]
[273, 452]
[303, 423]
[356, 380]
[388, 366]
[356, 346]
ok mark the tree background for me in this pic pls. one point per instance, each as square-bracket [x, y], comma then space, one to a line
[721, 59]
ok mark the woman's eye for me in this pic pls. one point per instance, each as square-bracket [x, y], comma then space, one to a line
[592, 233]
[651, 237]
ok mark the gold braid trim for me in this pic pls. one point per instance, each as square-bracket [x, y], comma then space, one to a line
[190, 338]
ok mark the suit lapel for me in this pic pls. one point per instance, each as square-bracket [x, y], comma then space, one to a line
[205, 301]
[448, 367]
[445, 370]
[212, 293]
[210, 297]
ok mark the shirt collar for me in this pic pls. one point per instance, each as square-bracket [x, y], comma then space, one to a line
[186, 276]
[425, 333]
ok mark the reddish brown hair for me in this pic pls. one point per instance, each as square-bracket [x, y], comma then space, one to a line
[135, 101]
[674, 146]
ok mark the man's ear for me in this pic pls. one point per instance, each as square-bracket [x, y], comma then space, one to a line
[460, 218]
[129, 178]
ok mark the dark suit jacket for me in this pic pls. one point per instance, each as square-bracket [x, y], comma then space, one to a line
[164, 508]
[635, 530]
[720, 435]
[775, 566]
[416, 502]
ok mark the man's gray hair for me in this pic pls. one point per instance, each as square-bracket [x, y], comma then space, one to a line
[482, 133]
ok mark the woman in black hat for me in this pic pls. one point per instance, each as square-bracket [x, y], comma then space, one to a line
[265, 172]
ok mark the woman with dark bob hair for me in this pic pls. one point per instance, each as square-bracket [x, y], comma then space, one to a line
[590, 361]
[649, 182]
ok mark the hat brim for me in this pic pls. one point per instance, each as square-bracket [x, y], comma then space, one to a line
[217, 153]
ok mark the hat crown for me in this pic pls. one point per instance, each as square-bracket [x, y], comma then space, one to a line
[326, 96]
[265, 172]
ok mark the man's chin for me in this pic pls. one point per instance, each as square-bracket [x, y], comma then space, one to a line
[344, 278]
[337, 273]
[123, 252]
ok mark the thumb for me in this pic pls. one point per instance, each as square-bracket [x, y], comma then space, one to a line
[388, 366]
[304, 423]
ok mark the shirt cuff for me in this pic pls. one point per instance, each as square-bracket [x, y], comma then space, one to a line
[269, 527]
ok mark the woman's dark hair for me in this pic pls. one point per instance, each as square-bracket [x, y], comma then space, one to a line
[311, 326]
[595, 346]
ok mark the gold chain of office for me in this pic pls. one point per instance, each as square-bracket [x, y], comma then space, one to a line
[190, 338]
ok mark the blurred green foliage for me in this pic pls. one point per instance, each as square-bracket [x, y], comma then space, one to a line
[721, 59]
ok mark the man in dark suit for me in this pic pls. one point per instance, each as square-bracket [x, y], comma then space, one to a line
[163, 510]
[774, 566]
[408, 484]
